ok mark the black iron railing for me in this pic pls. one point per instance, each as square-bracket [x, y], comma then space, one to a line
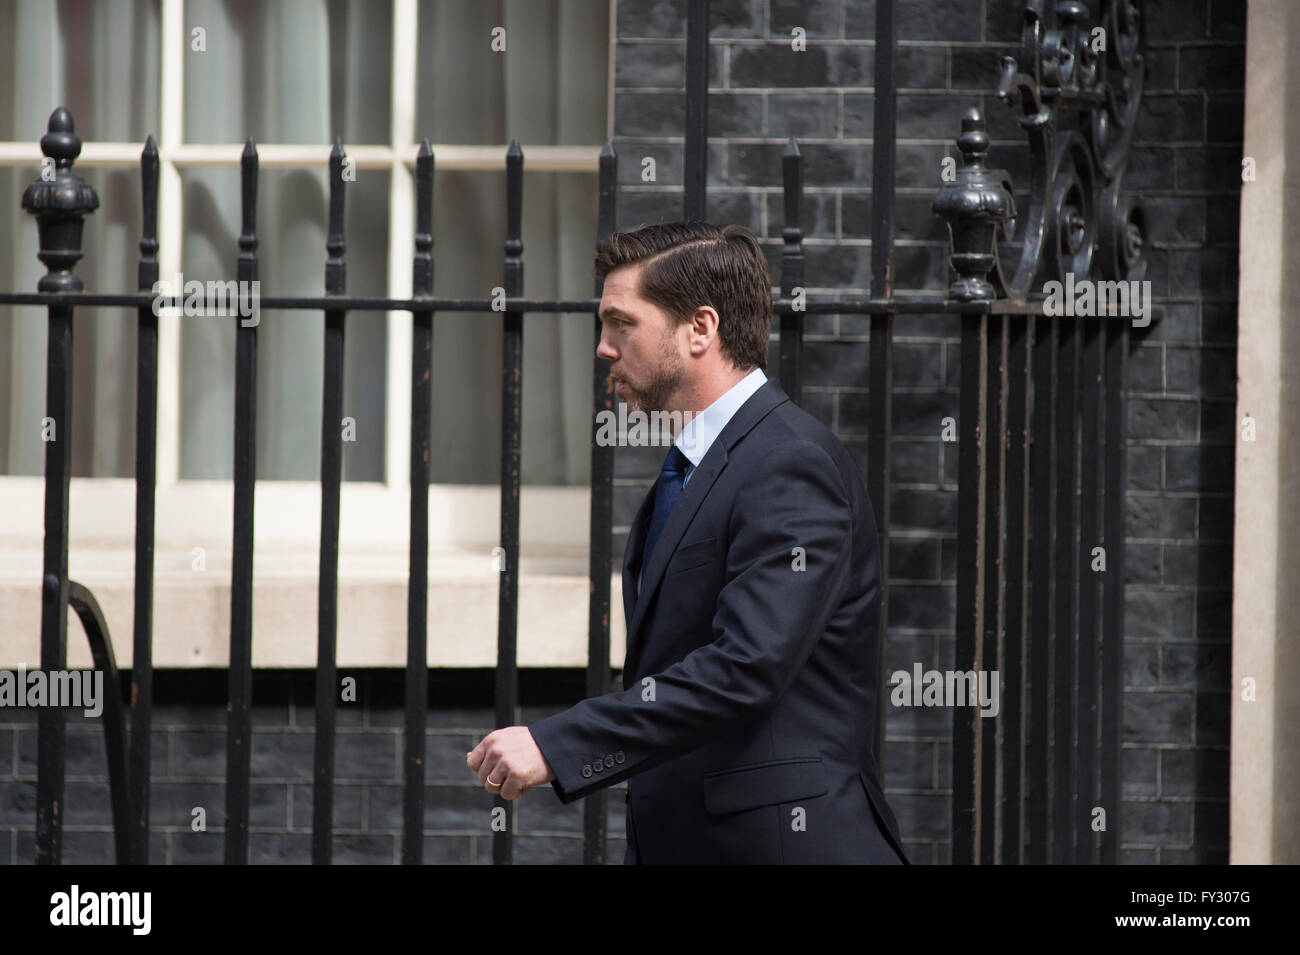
[1041, 454]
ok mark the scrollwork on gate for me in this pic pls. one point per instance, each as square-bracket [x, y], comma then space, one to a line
[1078, 83]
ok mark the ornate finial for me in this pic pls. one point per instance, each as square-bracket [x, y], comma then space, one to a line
[60, 200]
[975, 201]
[974, 139]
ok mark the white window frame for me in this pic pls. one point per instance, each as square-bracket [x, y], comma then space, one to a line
[374, 520]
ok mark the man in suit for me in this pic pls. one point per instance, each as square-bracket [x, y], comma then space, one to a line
[751, 587]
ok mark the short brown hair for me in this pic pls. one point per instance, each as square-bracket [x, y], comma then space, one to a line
[689, 264]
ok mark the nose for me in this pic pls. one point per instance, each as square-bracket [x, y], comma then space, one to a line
[603, 350]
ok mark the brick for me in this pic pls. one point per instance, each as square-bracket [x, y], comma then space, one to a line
[1175, 221]
[930, 115]
[547, 814]
[802, 115]
[1158, 717]
[651, 114]
[1209, 168]
[364, 849]
[1149, 516]
[1162, 70]
[17, 803]
[447, 850]
[915, 463]
[922, 68]
[913, 559]
[1157, 613]
[662, 64]
[816, 220]
[859, 115]
[739, 207]
[347, 807]
[1224, 118]
[833, 362]
[283, 755]
[921, 414]
[911, 766]
[198, 848]
[1228, 20]
[1161, 822]
[1207, 667]
[1210, 824]
[925, 607]
[951, 20]
[370, 756]
[818, 65]
[88, 847]
[1139, 775]
[1213, 615]
[1211, 68]
[1194, 772]
[1142, 564]
[547, 850]
[1168, 21]
[1194, 856]
[1196, 469]
[444, 756]
[1162, 419]
[1003, 19]
[1212, 714]
[818, 18]
[978, 67]
[914, 219]
[921, 815]
[1215, 520]
[1141, 664]
[1208, 372]
[279, 848]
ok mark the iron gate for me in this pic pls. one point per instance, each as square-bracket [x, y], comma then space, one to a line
[1041, 453]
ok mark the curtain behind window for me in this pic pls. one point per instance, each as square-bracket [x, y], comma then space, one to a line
[305, 71]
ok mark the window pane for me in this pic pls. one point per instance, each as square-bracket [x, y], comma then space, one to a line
[559, 237]
[103, 341]
[548, 87]
[292, 213]
[100, 60]
[294, 71]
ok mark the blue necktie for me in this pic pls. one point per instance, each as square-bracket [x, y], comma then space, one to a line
[667, 490]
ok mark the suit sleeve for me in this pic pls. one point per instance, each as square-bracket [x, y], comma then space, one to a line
[787, 563]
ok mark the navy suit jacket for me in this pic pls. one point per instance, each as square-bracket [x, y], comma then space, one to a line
[746, 722]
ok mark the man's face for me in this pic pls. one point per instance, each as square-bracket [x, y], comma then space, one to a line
[642, 343]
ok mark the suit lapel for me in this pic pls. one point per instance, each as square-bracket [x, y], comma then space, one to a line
[755, 408]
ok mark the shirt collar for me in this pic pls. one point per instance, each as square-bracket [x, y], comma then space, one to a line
[703, 429]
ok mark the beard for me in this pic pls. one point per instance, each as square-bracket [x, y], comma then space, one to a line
[667, 378]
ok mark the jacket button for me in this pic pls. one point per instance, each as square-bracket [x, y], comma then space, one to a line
[586, 771]
[619, 757]
[609, 762]
[597, 765]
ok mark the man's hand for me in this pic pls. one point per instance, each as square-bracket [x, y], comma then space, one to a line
[508, 762]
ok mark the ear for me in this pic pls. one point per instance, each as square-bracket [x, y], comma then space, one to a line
[704, 330]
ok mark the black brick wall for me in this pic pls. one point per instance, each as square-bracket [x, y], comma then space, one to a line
[189, 758]
[1184, 165]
